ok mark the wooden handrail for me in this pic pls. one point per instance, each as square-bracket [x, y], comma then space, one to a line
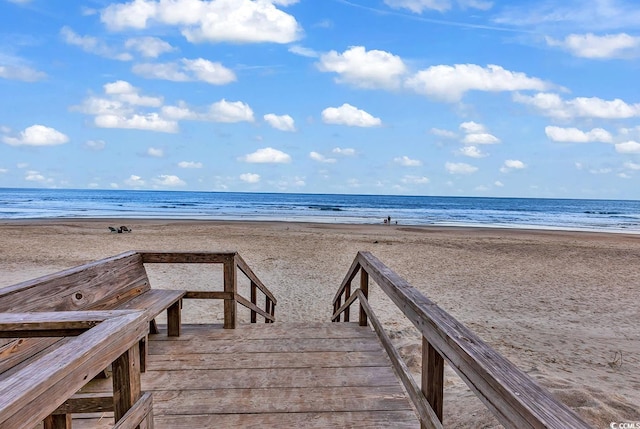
[232, 262]
[515, 399]
[32, 392]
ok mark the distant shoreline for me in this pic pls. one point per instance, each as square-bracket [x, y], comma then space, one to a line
[116, 222]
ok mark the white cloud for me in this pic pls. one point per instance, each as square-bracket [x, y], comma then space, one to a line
[350, 116]
[250, 177]
[405, 161]
[477, 134]
[37, 135]
[241, 21]
[553, 105]
[3, 170]
[96, 145]
[282, 122]
[267, 155]
[449, 83]
[512, 164]
[472, 127]
[498, 183]
[230, 111]
[187, 70]
[419, 6]
[169, 180]
[344, 151]
[364, 69]
[189, 164]
[321, 158]
[147, 122]
[304, 52]
[35, 176]
[628, 147]
[443, 133]
[93, 45]
[575, 135]
[460, 168]
[471, 152]
[150, 47]
[123, 91]
[480, 138]
[631, 166]
[134, 181]
[155, 152]
[20, 72]
[415, 180]
[589, 45]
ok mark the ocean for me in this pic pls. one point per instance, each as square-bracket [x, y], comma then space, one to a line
[538, 213]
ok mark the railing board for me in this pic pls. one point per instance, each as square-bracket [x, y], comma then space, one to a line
[35, 391]
[345, 306]
[246, 303]
[513, 396]
[142, 409]
[247, 271]
[186, 257]
[208, 295]
[427, 415]
[52, 324]
[21, 350]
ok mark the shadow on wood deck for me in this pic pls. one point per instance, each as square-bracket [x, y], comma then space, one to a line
[282, 375]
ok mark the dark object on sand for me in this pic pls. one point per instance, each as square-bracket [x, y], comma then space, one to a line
[112, 229]
[125, 229]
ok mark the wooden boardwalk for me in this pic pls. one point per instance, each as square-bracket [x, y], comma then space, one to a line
[270, 375]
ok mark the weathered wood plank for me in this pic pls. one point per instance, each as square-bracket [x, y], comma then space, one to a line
[280, 400]
[52, 324]
[230, 286]
[266, 346]
[343, 308]
[432, 377]
[208, 295]
[91, 286]
[275, 331]
[404, 419]
[186, 257]
[176, 361]
[126, 381]
[273, 377]
[141, 410]
[254, 308]
[247, 271]
[61, 421]
[86, 403]
[20, 350]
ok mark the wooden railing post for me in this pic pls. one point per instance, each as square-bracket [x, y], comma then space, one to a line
[347, 294]
[230, 286]
[364, 287]
[267, 307]
[126, 381]
[432, 377]
[57, 421]
[254, 300]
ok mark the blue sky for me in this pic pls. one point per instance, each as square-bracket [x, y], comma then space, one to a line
[420, 97]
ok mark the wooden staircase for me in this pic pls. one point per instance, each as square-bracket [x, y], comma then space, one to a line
[314, 375]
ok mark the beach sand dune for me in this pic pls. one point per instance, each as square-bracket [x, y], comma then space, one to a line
[562, 306]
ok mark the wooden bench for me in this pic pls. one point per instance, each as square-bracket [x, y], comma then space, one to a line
[116, 283]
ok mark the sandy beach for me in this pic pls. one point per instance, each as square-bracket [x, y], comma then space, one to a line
[563, 306]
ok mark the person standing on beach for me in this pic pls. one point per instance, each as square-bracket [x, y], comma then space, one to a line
[388, 220]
